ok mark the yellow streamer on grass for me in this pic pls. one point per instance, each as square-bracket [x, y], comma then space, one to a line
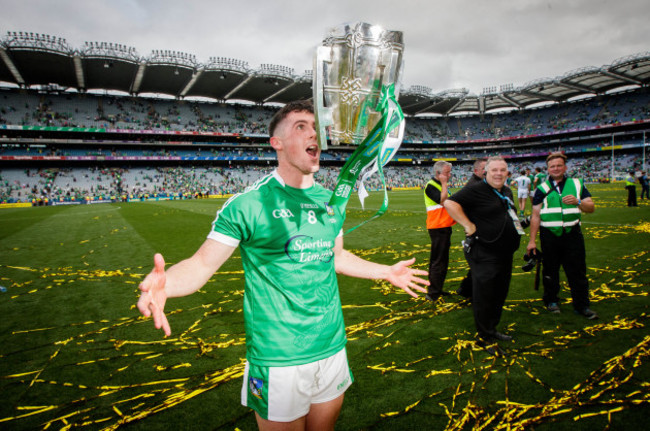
[122, 404]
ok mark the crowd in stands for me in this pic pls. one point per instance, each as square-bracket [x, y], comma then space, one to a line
[130, 113]
[214, 151]
[597, 111]
[183, 182]
[460, 137]
[137, 113]
[94, 183]
[187, 152]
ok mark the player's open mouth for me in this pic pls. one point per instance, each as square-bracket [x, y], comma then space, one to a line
[312, 150]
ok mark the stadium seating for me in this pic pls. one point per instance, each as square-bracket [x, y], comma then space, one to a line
[141, 123]
[88, 110]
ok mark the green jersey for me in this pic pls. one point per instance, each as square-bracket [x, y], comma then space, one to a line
[292, 308]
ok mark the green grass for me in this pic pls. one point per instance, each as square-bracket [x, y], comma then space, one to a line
[75, 353]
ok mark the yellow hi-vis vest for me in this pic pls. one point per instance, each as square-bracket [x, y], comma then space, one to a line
[555, 215]
[437, 216]
[629, 181]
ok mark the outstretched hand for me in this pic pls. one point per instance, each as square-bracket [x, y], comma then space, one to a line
[153, 297]
[402, 276]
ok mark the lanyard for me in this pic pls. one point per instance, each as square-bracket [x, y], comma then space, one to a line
[509, 203]
[510, 211]
[556, 186]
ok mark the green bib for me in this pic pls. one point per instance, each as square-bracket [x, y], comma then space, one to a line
[555, 215]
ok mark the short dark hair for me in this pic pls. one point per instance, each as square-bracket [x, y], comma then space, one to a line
[295, 106]
[478, 162]
[556, 155]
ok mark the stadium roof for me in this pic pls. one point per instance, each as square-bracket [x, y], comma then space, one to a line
[31, 59]
[628, 71]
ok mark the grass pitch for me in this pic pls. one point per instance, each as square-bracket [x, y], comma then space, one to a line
[74, 352]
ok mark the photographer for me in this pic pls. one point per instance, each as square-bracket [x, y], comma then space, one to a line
[557, 207]
[487, 213]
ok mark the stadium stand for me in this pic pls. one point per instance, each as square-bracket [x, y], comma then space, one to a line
[62, 142]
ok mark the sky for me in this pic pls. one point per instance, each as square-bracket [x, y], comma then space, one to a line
[449, 44]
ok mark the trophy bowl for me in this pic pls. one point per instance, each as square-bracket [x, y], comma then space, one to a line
[353, 64]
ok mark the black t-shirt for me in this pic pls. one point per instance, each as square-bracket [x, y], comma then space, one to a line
[489, 212]
[473, 180]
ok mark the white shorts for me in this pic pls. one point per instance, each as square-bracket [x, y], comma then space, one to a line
[284, 394]
[522, 194]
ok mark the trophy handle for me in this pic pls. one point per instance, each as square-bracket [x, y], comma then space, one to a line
[322, 114]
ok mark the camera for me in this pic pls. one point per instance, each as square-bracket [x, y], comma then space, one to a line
[468, 242]
[531, 260]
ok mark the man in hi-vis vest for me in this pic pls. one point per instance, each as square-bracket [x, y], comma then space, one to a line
[630, 186]
[439, 226]
[557, 205]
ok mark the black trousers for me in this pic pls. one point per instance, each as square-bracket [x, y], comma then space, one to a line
[645, 190]
[631, 196]
[438, 259]
[568, 251]
[491, 274]
[465, 288]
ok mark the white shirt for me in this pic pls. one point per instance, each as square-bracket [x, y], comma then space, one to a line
[523, 182]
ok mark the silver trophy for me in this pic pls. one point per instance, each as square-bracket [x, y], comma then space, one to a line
[351, 67]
